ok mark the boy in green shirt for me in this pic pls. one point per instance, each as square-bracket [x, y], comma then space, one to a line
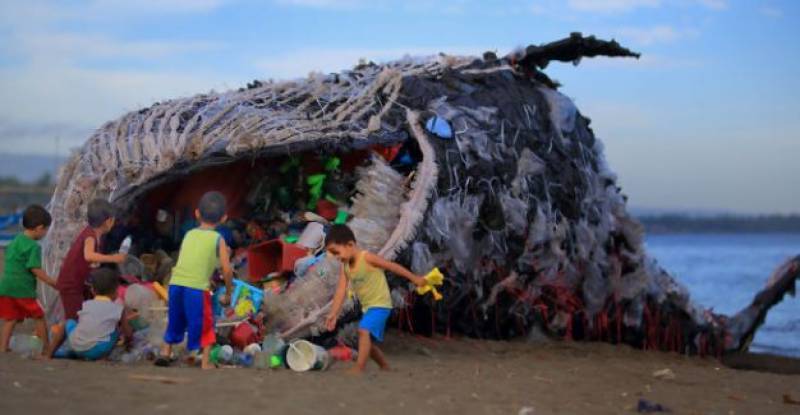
[23, 266]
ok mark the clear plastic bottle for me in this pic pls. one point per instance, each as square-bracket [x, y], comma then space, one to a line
[126, 245]
[26, 345]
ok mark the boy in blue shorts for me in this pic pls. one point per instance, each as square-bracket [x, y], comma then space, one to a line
[365, 272]
[202, 251]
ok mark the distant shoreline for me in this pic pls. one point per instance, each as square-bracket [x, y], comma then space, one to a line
[728, 224]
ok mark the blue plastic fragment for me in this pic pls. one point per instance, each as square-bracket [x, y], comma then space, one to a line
[406, 159]
[439, 127]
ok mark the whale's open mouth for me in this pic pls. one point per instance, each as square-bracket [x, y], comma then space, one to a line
[381, 186]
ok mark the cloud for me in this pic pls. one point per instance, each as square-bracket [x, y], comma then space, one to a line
[72, 47]
[646, 62]
[714, 4]
[610, 6]
[770, 11]
[654, 34]
[649, 35]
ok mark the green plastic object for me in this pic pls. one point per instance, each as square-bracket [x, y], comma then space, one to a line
[275, 361]
[332, 163]
[213, 356]
[341, 217]
[291, 239]
[315, 183]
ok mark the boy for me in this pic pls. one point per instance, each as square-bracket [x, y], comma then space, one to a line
[23, 266]
[84, 254]
[365, 271]
[100, 321]
[202, 251]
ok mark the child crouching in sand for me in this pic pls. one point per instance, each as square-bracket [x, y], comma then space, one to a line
[365, 271]
[100, 322]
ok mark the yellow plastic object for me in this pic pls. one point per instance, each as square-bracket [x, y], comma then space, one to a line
[434, 279]
[159, 289]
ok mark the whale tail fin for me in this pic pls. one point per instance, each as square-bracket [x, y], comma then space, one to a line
[742, 326]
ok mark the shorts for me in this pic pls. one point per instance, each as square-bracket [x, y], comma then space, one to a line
[190, 313]
[16, 309]
[374, 321]
[100, 350]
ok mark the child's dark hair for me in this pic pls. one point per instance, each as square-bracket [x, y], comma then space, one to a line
[339, 235]
[98, 212]
[34, 216]
[104, 281]
[212, 207]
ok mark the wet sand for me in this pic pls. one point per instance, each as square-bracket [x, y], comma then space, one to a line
[431, 376]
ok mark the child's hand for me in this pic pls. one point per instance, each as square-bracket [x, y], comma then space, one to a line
[225, 299]
[330, 322]
[419, 281]
[119, 258]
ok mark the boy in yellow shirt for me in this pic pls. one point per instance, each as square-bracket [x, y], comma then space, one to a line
[365, 271]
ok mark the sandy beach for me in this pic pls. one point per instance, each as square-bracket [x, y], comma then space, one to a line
[431, 376]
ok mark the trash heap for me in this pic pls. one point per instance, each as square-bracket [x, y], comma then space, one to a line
[478, 166]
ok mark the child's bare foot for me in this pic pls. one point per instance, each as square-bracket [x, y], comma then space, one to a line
[207, 366]
[387, 368]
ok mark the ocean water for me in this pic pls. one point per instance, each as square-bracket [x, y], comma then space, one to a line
[726, 271]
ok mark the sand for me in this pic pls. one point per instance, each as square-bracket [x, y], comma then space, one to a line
[459, 376]
[431, 376]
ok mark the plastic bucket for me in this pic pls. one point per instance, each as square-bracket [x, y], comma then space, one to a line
[303, 356]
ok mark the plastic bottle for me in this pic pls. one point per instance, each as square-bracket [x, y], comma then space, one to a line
[126, 245]
[272, 344]
[26, 345]
[243, 359]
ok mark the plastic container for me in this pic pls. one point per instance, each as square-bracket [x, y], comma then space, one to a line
[303, 356]
[243, 334]
[312, 236]
[252, 349]
[272, 344]
[221, 354]
[343, 353]
[272, 256]
[261, 360]
[245, 300]
[25, 345]
[327, 209]
[243, 359]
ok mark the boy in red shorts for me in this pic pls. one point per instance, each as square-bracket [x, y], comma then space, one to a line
[23, 266]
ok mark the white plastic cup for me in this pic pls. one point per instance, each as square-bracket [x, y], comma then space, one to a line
[303, 356]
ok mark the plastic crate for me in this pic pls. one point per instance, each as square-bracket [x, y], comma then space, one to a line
[272, 256]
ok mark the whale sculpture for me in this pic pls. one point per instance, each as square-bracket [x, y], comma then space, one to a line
[511, 196]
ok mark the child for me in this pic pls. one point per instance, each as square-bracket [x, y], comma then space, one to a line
[202, 250]
[84, 253]
[99, 323]
[364, 270]
[23, 266]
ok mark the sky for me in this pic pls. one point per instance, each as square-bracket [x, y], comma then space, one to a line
[707, 120]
